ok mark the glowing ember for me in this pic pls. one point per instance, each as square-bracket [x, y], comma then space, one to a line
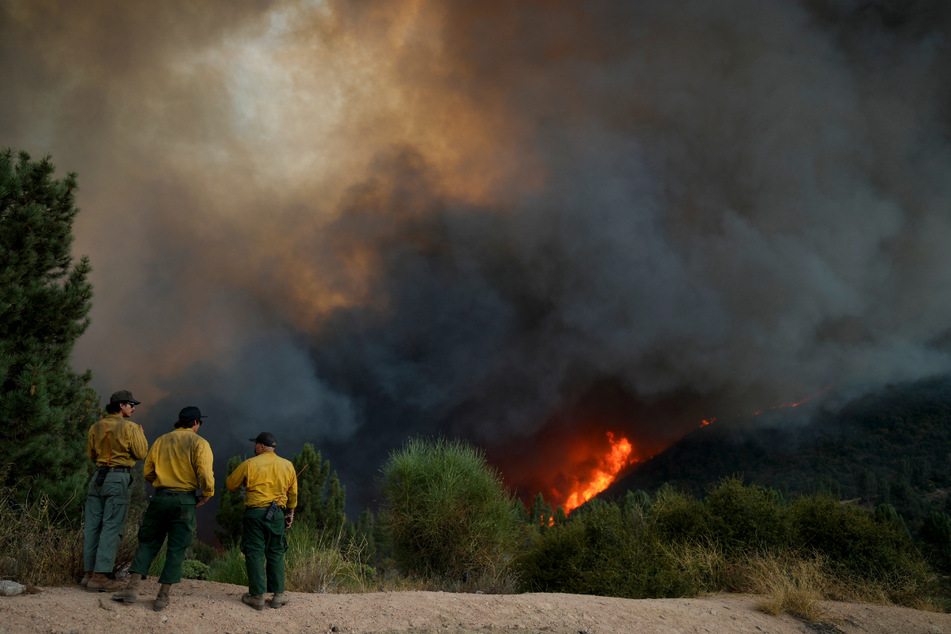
[618, 458]
[797, 403]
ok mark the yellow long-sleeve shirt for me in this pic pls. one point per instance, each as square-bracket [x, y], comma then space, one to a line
[181, 460]
[116, 442]
[265, 477]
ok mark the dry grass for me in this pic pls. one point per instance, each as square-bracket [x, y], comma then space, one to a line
[315, 563]
[794, 585]
[34, 549]
[703, 561]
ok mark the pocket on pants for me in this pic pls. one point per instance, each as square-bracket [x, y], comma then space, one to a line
[117, 484]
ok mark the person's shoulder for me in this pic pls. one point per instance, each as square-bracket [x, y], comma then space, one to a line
[203, 442]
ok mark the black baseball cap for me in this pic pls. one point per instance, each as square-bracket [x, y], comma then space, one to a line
[123, 396]
[191, 413]
[265, 438]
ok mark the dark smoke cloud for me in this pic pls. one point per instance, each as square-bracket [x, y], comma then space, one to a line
[520, 223]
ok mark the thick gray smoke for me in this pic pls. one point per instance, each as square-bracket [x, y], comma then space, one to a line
[517, 223]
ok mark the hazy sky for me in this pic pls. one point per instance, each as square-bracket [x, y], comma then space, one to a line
[521, 223]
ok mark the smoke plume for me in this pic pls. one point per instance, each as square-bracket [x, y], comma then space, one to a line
[520, 223]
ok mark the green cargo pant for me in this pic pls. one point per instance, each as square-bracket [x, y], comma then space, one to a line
[263, 544]
[169, 514]
[104, 520]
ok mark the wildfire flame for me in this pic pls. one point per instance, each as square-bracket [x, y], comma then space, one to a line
[602, 477]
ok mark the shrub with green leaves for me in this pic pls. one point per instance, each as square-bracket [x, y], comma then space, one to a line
[678, 546]
[318, 562]
[448, 513]
[677, 517]
[229, 568]
[855, 544]
[194, 569]
[746, 517]
[601, 550]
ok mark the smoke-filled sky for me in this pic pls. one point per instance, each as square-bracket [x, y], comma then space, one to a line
[524, 224]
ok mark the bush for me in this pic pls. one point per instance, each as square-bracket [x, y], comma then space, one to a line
[448, 514]
[203, 552]
[679, 518]
[316, 563]
[194, 569]
[936, 535]
[857, 547]
[229, 568]
[743, 518]
[600, 550]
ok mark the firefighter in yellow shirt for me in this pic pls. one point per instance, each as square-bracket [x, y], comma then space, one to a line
[114, 444]
[269, 481]
[178, 465]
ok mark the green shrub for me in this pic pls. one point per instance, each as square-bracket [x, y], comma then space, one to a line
[229, 568]
[318, 562]
[601, 551]
[936, 535]
[858, 547]
[743, 518]
[678, 518]
[203, 552]
[194, 569]
[448, 513]
[155, 568]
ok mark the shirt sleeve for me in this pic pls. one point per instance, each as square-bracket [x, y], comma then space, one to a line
[236, 480]
[148, 471]
[90, 446]
[292, 492]
[203, 465]
[139, 446]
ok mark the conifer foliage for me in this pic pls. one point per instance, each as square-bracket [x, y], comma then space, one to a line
[45, 407]
[321, 499]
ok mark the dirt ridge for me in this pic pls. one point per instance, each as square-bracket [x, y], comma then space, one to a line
[204, 606]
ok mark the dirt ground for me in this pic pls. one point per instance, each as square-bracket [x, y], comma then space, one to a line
[204, 606]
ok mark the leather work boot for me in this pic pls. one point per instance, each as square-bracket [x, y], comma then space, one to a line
[86, 577]
[130, 593]
[279, 600]
[256, 601]
[99, 582]
[161, 601]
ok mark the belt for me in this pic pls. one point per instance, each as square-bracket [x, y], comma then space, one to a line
[126, 469]
[170, 492]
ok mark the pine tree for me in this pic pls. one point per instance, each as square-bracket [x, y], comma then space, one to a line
[540, 513]
[230, 512]
[45, 407]
[320, 496]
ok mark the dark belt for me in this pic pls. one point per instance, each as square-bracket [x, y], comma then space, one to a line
[126, 469]
[170, 492]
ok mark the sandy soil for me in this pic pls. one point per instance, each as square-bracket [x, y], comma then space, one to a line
[202, 606]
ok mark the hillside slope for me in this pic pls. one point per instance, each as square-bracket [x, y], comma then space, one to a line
[901, 434]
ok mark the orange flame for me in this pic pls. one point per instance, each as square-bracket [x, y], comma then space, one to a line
[797, 403]
[602, 477]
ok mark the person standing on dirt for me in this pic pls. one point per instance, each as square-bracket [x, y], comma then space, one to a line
[114, 444]
[269, 501]
[178, 465]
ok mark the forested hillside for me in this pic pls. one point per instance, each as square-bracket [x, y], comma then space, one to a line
[891, 446]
